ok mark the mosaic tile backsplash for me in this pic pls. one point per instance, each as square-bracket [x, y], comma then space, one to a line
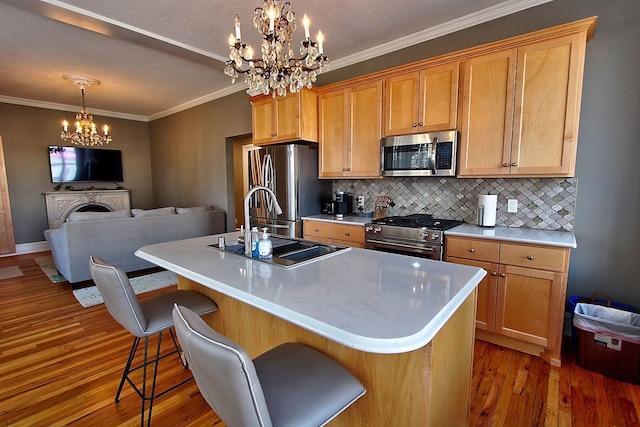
[543, 203]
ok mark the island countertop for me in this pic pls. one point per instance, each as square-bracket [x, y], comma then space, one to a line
[367, 300]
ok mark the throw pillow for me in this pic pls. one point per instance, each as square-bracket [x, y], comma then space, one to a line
[205, 208]
[138, 213]
[93, 216]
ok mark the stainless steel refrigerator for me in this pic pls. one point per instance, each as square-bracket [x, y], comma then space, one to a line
[291, 171]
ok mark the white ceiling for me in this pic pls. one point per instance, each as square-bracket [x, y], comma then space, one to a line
[157, 57]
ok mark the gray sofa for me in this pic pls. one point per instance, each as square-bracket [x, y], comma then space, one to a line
[115, 236]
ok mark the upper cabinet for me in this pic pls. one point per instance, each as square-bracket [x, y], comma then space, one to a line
[350, 127]
[521, 109]
[285, 118]
[421, 101]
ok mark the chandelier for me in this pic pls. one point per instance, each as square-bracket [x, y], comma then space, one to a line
[278, 70]
[86, 133]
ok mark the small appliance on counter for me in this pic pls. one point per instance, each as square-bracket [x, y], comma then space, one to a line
[341, 205]
[487, 207]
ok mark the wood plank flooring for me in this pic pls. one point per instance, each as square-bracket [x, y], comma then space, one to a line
[60, 365]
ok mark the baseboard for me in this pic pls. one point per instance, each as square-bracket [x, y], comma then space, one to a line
[29, 248]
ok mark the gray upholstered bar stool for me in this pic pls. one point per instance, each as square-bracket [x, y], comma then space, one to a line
[291, 385]
[151, 316]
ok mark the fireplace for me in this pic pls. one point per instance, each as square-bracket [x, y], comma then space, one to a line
[62, 203]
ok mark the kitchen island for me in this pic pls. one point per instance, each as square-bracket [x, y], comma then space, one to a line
[404, 326]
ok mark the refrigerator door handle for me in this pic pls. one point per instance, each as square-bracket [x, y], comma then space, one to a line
[273, 225]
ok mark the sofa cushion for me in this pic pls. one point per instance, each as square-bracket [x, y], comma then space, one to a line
[93, 216]
[205, 208]
[138, 213]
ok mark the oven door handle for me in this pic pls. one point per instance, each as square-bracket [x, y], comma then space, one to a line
[393, 244]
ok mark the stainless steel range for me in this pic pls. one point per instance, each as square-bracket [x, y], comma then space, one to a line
[417, 235]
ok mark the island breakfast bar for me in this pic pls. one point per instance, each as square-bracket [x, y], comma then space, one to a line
[403, 326]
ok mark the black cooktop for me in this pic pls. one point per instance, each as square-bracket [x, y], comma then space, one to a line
[418, 220]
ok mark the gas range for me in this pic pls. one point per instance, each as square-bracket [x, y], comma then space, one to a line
[416, 234]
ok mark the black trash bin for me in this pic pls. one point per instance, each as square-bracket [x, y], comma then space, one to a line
[608, 341]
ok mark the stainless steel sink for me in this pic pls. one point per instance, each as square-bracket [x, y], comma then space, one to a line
[289, 252]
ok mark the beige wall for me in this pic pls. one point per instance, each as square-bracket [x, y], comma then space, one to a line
[26, 134]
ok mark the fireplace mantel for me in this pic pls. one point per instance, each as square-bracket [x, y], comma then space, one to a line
[61, 203]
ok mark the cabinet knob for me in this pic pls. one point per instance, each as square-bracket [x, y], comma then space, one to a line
[420, 124]
[505, 165]
[514, 164]
[493, 273]
[316, 230]
[344, 169]
[274, 134]
[472, 250]
[347, 234]
[414, 124]
[503, 275]
[348, 169]
[530, 257]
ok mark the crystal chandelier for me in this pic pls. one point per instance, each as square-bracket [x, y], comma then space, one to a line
[86, 133]
[278, 71]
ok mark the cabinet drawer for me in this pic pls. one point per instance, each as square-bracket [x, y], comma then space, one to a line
[317, 229]
[543, 258]
[349, 233]
[473, 249]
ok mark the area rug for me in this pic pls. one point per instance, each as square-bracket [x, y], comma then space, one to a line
[9, 272]
[90, 296]
[47, 266]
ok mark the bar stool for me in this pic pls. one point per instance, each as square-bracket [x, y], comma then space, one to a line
[291, 385]
[144, 319]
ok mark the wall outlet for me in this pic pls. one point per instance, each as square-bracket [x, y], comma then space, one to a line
[361, 201]
[512, 205]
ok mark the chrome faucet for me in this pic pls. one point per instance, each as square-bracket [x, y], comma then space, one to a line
[247, 226]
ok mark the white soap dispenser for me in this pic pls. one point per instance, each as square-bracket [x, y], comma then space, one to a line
[265, 248]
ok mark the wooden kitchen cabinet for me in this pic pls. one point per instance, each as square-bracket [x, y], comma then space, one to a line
[520, 109]
[421, 101]
[350, 131]
[334, 233]
[285, 118]
[521, 299]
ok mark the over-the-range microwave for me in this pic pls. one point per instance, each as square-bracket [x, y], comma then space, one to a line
[424, 154]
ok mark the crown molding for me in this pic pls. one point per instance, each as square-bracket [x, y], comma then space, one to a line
[71, 108]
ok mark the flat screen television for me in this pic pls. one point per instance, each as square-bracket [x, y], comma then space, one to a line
[83, 164]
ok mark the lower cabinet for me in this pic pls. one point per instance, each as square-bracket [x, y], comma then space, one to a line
[334, 233]
[521, 299]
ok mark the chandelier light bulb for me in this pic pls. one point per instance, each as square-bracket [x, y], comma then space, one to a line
[237, 25]
[320, 41]
[305, 24]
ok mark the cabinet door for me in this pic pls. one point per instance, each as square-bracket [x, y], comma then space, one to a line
[487, 293]
[319, 231]
[439, 98]
[333, 146]
[528, 303]
[487, 114]
[263, 121]
[401, 104]
[547, 108]
[365, 121]
[287, 117]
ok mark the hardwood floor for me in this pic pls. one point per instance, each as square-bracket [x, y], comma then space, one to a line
[60, 365]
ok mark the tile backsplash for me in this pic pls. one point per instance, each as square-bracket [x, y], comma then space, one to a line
[543, 203]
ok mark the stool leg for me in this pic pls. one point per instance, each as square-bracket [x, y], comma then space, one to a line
[153, 383]
[183, 360]
[127, 367]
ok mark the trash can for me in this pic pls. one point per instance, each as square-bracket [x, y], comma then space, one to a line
[597, 298]
[608, 341]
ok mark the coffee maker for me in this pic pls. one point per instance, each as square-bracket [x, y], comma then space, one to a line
[342, 204]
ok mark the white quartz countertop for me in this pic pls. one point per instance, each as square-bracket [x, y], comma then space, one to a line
[346, 219]
[367, 300]
[565, 239]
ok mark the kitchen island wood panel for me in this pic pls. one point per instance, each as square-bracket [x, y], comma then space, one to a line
[429, 386]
